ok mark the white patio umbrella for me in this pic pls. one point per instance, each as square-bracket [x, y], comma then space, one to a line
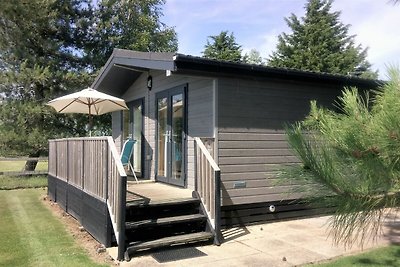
[88, 101]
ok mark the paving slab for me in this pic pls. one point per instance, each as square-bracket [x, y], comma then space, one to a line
[287, 243]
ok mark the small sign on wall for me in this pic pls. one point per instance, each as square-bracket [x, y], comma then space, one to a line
[239, 184]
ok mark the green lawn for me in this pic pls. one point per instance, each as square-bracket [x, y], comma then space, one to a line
[387, 256]
[18, 165]
[15, 182]
[31, 236]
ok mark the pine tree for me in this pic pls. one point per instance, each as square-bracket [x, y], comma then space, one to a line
[50, 48]
[223, 47]
[320, 42]
[253, 57]
[38, 55]
[128, 24]
[353, 154]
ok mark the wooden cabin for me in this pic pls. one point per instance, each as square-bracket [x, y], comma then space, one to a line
[209, 142]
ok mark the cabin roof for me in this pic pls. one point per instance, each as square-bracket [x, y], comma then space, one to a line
[125, 66]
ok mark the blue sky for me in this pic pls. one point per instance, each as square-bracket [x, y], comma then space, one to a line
[257, 24]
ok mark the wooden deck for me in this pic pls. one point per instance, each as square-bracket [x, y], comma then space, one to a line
[152, 192]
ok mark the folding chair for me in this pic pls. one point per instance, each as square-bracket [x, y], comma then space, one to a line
[126, 155]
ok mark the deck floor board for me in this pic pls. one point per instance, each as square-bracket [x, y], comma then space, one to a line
[155, 192]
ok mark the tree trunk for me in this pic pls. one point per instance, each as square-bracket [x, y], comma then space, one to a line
[30, 164]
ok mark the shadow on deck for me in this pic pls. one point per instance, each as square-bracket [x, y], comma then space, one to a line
[152, 192]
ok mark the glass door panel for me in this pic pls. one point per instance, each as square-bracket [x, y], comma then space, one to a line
[132, 122]
[177, 136]
[137, 116]
[162, 137]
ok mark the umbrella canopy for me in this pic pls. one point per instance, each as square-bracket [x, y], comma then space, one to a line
[88, 101]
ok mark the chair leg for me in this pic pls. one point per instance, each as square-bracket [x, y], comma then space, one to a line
[133, 171]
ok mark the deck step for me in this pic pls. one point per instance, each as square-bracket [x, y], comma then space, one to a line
[155, 210]
[181, 201]
[164, 221]
[167, 241]
[154, 224]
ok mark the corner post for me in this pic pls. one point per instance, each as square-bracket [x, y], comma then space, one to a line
[196, 176]
[217, 201]
[121, 219]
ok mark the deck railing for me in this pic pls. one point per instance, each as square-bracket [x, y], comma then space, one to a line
[208, 185]
[93, 165]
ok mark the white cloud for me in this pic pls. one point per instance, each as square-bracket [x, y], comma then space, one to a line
[269, 44]
[257, 24]
[375, 24]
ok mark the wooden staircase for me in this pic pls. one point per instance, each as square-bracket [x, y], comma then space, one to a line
[165, 223]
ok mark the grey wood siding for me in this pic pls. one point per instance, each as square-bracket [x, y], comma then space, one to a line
[116, 119]
[259, 212]
[251, 139]
[200, 113]
[200, 108]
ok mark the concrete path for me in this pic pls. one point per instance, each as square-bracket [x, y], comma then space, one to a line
[288, 243]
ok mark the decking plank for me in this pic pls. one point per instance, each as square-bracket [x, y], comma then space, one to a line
[164, 221]
[156, 192]
[162, 202]
[169, 241]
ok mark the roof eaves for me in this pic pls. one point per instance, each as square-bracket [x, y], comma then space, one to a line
[186, 62]
[136, 60]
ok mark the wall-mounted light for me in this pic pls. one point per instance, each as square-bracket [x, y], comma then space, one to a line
[149, 82]
[272, 208]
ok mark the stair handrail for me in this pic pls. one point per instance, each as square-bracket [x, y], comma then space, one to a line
[116, 196]
[208, 186]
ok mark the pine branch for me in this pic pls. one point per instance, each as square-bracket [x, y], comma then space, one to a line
[354, 154]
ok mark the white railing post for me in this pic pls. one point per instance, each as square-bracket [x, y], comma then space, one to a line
[209, 186]
[117, 194]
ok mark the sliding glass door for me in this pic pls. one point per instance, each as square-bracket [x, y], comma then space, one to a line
[171, 117]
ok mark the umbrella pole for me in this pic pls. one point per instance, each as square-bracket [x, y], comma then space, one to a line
[90, 124]
[90, 121]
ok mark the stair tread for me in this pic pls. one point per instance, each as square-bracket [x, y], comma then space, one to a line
[170, 240]
[165, 202]
[164, 221]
